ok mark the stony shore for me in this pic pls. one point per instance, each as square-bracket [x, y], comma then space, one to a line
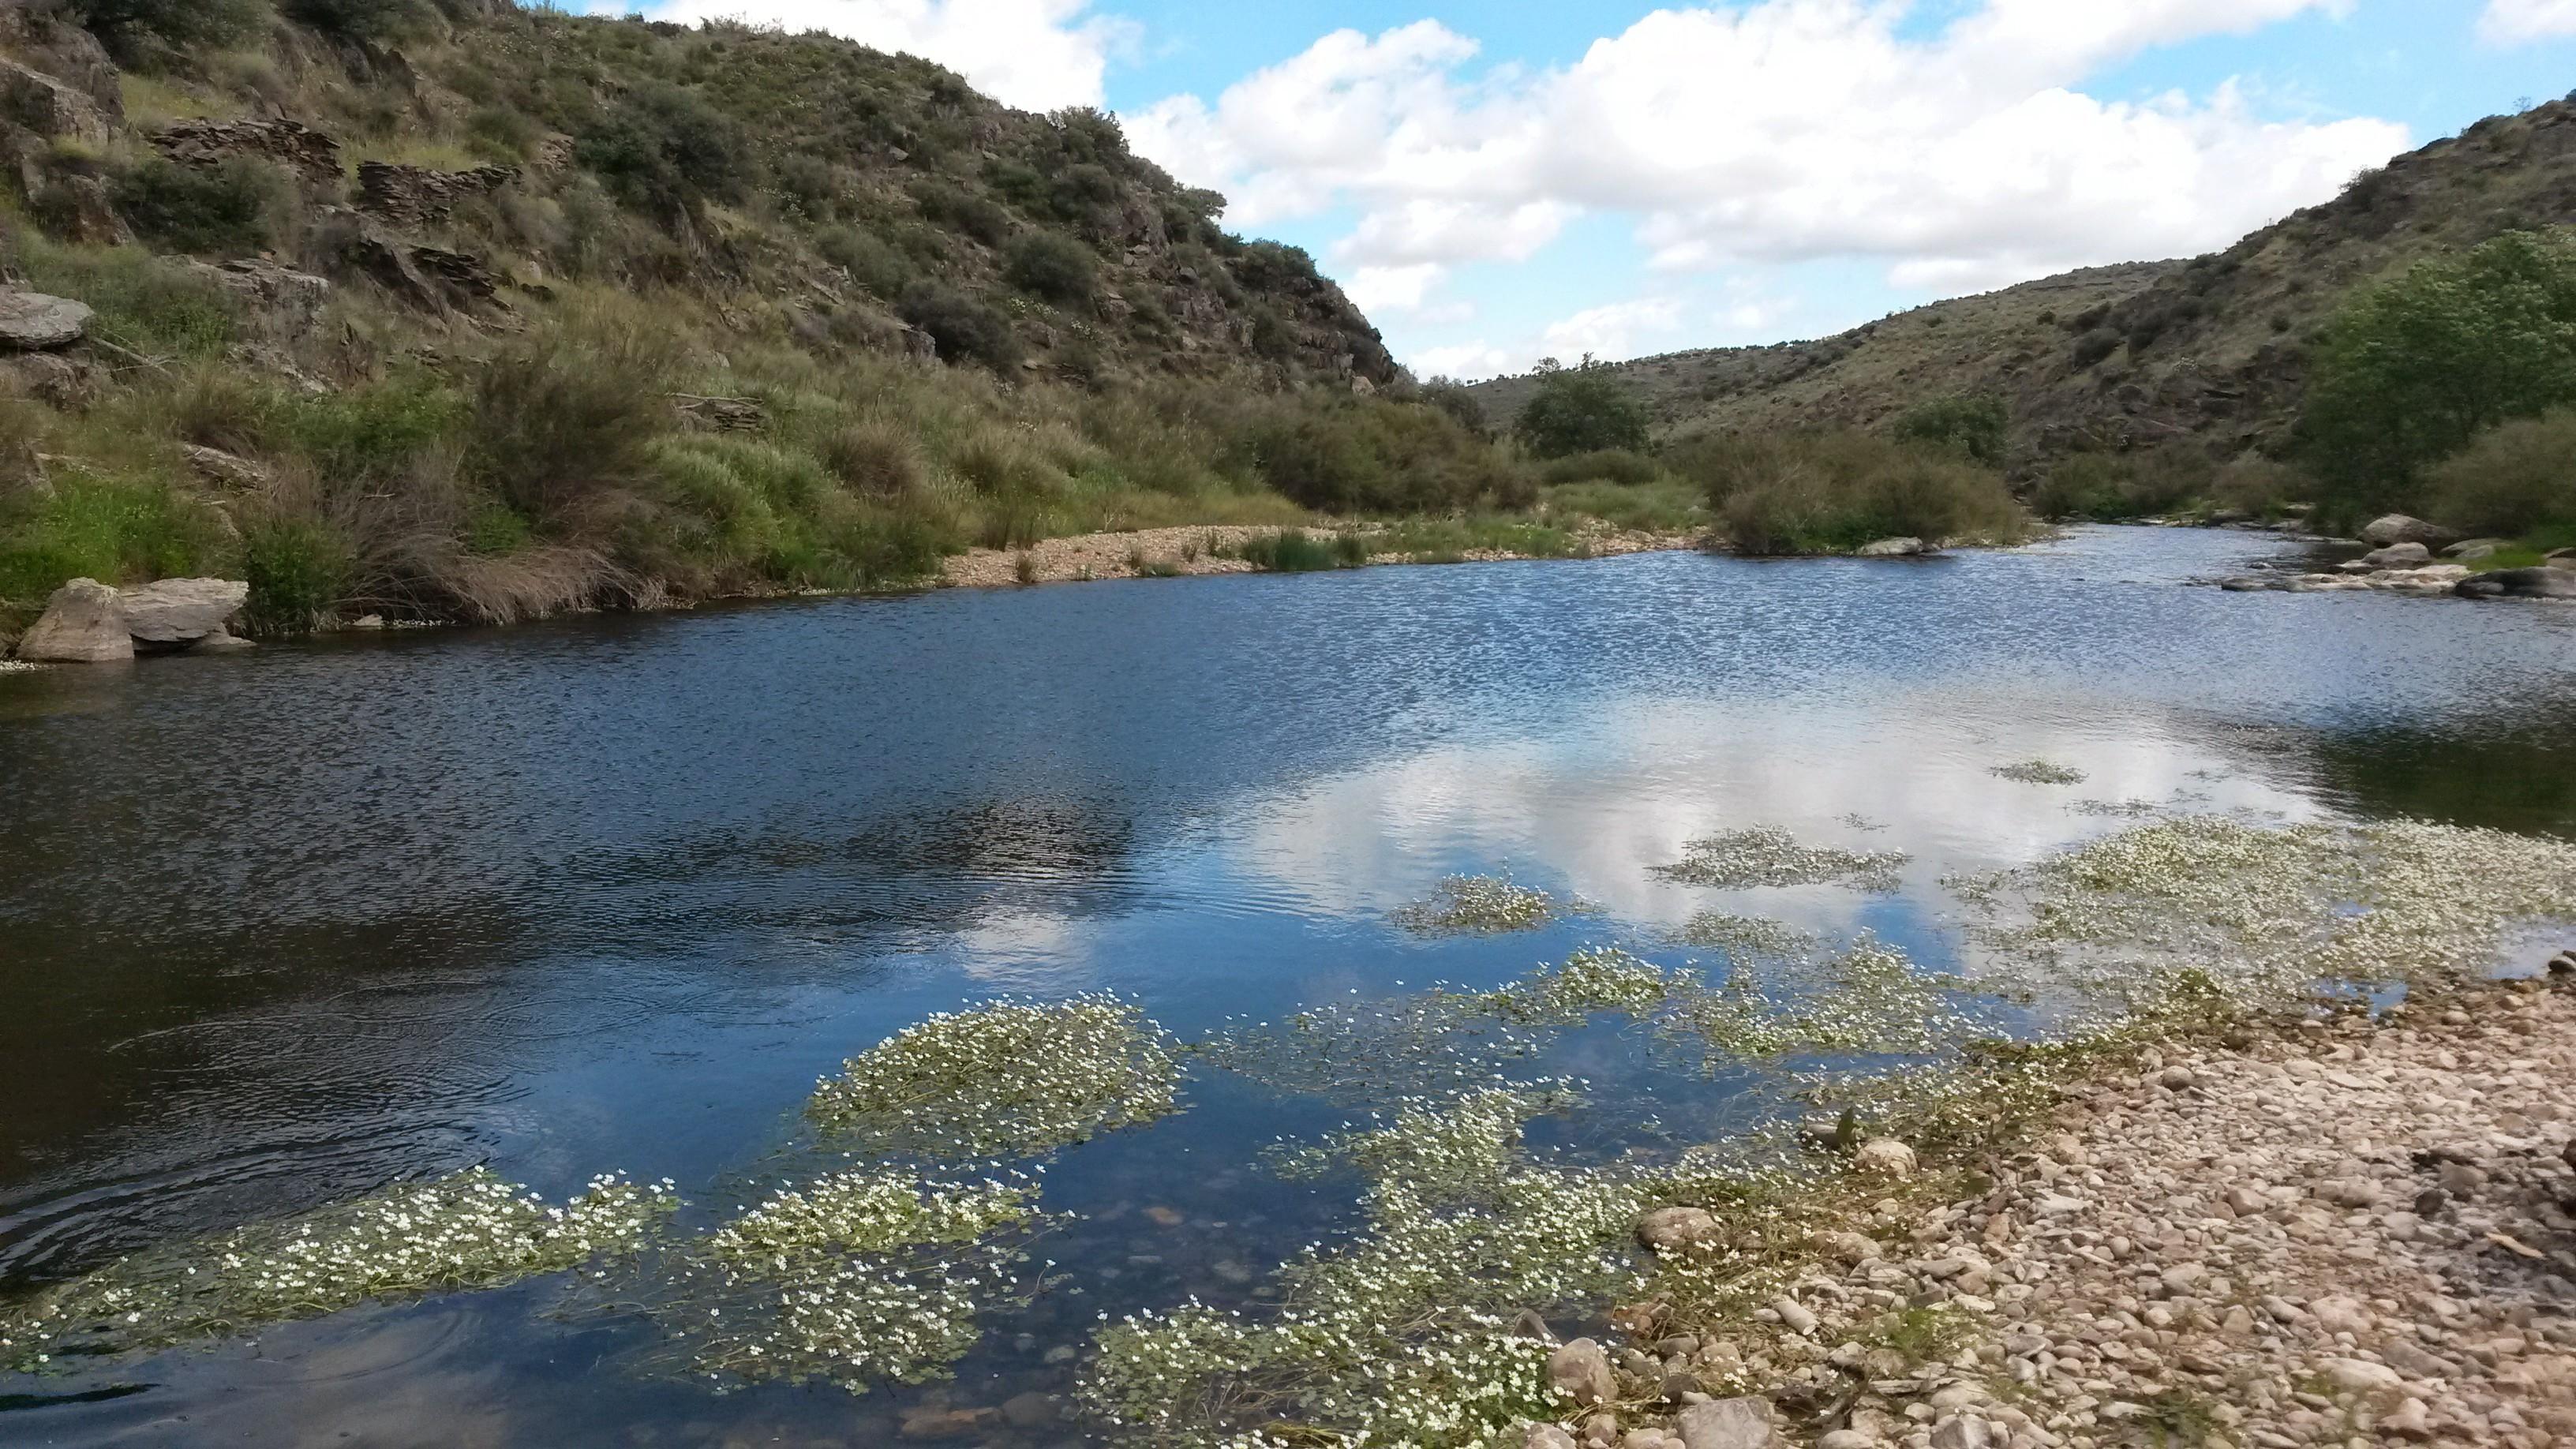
[2335, 1232]
[1203, 549]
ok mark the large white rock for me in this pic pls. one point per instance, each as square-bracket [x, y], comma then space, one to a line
[1581, 1372]
[176, 613]
[82, 625]
[1729, 1424]
[2397, 528]
[34, 322]
[1893, 548]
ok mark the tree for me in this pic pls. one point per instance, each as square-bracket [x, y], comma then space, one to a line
[1975, 427]
[1581, 409]
[2410, 371]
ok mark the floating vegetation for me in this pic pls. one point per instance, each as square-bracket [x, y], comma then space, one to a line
[1486, 904]
[1440, 1150]
[2040, 772]
[2268, 912]
[1406, 1335]
[1871, 1000]
[863, 1274]
[1743, 936]
[472, 1230]
[1768, 856]
[1443, 1038]
[2132, 809]
[1007, 1079]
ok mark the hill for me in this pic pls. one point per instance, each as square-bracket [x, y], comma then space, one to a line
[2211, 350]
[458, 310]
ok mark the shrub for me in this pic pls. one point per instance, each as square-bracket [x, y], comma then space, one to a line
[297, 569]
[143, 302]
[130, 27]
[358, 19]
[375, 431]
[1294, 550]
[233, 209]
[113, 529]
[564, 415]
[2409, 372]
[874, 458]
[661, 146]
[1611, 465]
[1373, 455]
[2107, 487]
[965, 329]
[2261, 486]
[2097, 344]
[950, 205]
[1053, 266]
[501, 134]
[1583, 409]
[2516, 478]
[874, 265]
[1975, 427]
[1455, 398]
[1832, 492]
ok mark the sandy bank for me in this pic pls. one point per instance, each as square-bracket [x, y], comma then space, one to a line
[1165, 552]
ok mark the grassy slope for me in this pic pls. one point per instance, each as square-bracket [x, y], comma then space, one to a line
[2209, 350]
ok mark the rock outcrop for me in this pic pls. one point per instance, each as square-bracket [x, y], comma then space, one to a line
[87, 622]
[1893, 548]
[2539, 583]
[34, 322]
[81, 625]
[2398, 528]
[49, 107]
[417, 196]
[292, 144]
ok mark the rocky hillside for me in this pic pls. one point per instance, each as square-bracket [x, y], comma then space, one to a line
[464, 161]
[2210, 350]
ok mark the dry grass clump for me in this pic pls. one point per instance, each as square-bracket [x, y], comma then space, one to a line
[1485, 904]
[1769, 856]
[472, 1230]
[1007, 1079]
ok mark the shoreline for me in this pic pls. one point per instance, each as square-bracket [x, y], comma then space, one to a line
[1201, 550]
[2333, 1229]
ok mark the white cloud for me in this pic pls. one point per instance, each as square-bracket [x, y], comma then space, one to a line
[1617, 330]
[1771, 132]
[1034, 54]
[2508, 21]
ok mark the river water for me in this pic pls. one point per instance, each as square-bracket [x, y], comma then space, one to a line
[282, 929]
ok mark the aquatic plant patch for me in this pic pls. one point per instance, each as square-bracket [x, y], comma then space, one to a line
[863, 1275]
[1869, 1000]
[2040, 772]
[1769, 856]
[1484, 904]
[1442, 1038]
[1438, 1149]
[472, 1230]
[1744, 936]
[1007, 1079]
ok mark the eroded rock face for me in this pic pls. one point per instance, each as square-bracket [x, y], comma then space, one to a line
[289, 143]
[176, 613]
[2547, 582]
[82, 625]
[289, 301]
[34, 322]
[49, 107]
[418, 196]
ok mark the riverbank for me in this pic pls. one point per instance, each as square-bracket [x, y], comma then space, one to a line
[1191, 551]
[2336, 1230]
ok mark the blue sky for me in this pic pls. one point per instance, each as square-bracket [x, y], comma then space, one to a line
[1499, 182]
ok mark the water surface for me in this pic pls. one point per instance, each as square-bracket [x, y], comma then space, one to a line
[281, 929]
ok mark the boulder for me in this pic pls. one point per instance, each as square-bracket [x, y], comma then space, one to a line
[1547, 1436]
[2547, 582]
[2399, 556]
[82, 625]
[2397, 528]
[289, 302]
[176, 613]
[2565, 558]
[2474, 548]
[34, 322]
[1677, 1229]
[1885, 1157]
[1729, 1424]
[1893, 548]
[1967, 1431]
[1581, 1372]
[49, 107]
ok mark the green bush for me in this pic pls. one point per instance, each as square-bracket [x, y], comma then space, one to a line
[1610, 465]
[115, 530]
[1374, 455]
[375, 431]
[1783, 493]
[2408, 372]
[2110, 487]
[965, 329]
[1583, 409]
[1053, 266]
[1454, 398]
[875, 459]
[297, 569]
[374, 20]
[661, 146]
[2514, 479]
[130, 28]
[951, 205]
[877, 267]
[1973, 427]
[1294, 551]
[565, 415]
[233, 209]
